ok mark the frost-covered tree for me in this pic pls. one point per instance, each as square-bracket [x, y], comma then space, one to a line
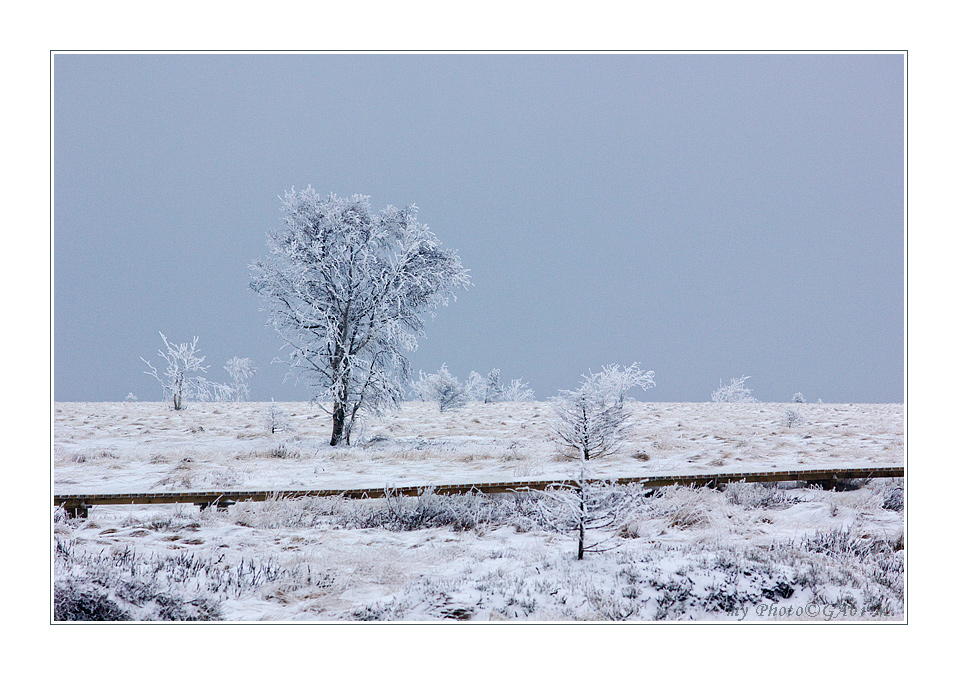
[182, 363]
[443, 387]
[734, 392]
[493, 389]
[798, 397]
[348, 291]
[517, 390]
[241, 371]
[276, 419]
[584, 505]
[593, 421]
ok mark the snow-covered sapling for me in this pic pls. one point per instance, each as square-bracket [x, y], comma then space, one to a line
[493, 390]
[586, 504]
[348, 291]
[734, 392]
[593, 421]
[276, 419]
[798, 397]
[182, 362]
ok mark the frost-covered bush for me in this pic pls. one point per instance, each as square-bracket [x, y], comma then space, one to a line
[131, 398]
[518, 391]
[753, 496]
[798, 398]
[115, 586]
[734, 392]
[400, 513]
[442, 387]
[793, 418]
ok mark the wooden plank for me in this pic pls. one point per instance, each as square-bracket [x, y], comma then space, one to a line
[79, 503]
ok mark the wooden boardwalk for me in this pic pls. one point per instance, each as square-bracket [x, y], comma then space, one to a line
[77, 505]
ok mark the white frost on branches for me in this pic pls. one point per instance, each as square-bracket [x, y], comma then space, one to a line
[584, 505]
[517, 390]
[178, 380]
[734, 392]
[593, 421]
[493, 389]
[348, 290]
[241, 371]
[276, 419]
[443, 387]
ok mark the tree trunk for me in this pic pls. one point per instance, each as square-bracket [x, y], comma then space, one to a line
[581, 521]
[339, 422]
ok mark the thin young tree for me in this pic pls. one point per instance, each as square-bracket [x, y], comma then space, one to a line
[348, 290]
[182, 362]
[592, 422]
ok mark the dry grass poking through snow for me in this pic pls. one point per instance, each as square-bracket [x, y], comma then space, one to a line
[125, 447]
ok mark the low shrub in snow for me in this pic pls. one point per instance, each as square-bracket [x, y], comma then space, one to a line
[734, 392]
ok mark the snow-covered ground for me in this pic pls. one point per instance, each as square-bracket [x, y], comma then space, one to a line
[750, 552]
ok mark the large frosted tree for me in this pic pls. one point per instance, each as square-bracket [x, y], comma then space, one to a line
[348, 290]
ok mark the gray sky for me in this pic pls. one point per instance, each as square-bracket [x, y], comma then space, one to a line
[709, 216]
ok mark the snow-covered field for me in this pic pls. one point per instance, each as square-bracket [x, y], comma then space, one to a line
[750, 552]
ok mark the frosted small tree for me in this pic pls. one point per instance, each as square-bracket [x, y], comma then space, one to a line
[493, 390]
[182, 363]
[798, 397]
[734, 392]
[241, 371]
[442, 387]
[348, 291]
[592, 422]
[587, 505]
[276, 419]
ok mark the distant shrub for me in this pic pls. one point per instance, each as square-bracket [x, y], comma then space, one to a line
[518, 391]
[793, 418]
[442, 387]
[734, 392]
[798, 397]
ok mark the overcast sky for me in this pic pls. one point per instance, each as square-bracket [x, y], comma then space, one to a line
[708, 216]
